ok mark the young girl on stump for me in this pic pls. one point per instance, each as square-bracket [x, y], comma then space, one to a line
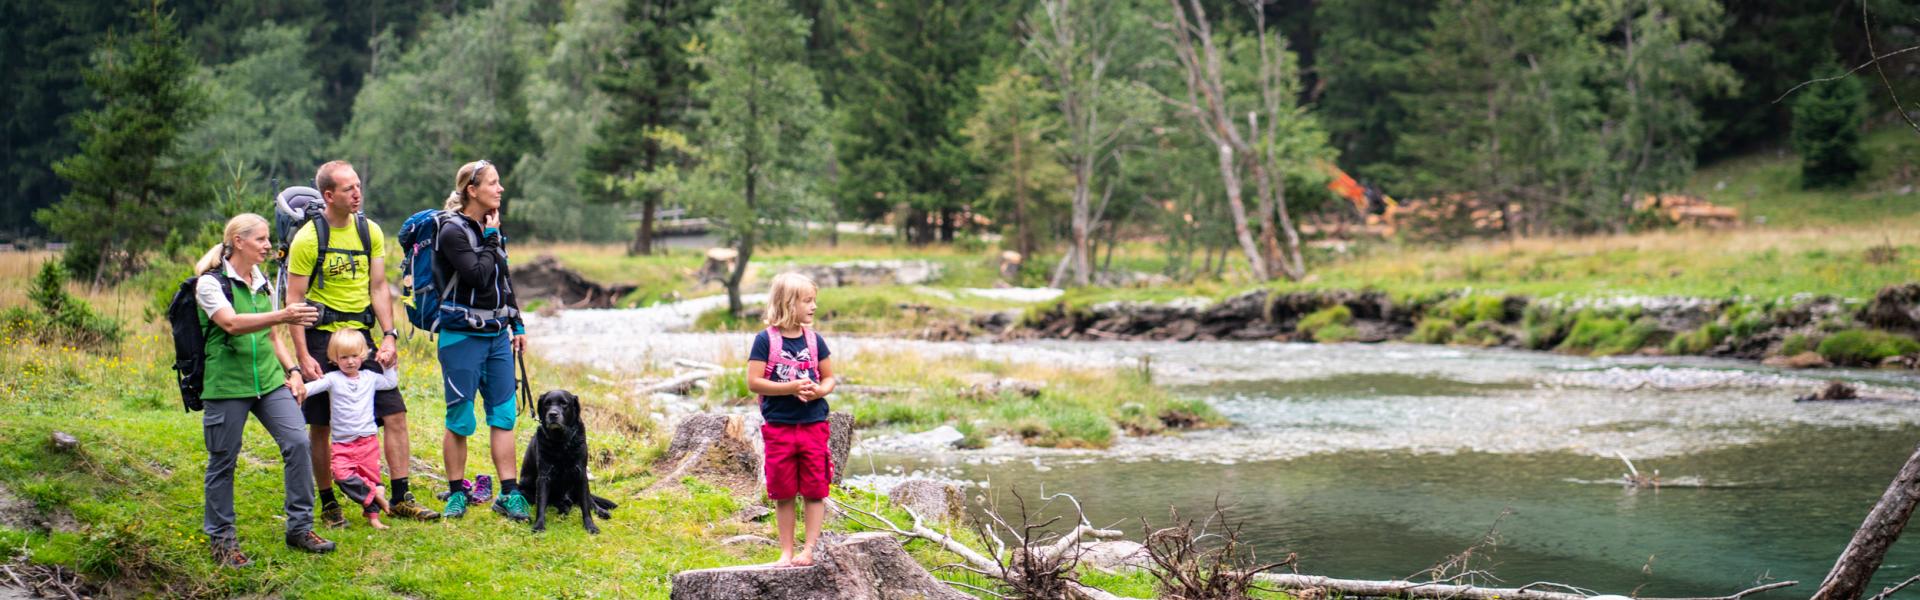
[788, 368]
[356, 452]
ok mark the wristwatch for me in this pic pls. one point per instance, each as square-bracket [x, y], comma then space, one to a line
[392, 333]
[293, 369]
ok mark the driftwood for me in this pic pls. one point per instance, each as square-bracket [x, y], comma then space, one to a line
[974, 560]
[1633, 477]
[1445, 591]
[1854, 570]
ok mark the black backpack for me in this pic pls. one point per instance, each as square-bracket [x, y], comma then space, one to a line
[190, 338]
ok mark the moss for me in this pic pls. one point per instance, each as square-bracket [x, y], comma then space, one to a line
[1433, 330]
[1481, 333]
[1860, 347]
[1544, 327]
[1698, 341]
[1591, 331]
[1798, 344]
[1468, 309]
[1328, 325]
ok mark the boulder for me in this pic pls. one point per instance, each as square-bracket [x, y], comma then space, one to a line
[1116, 555]
[1895, 308]
[932, 500]
[713, 448]
[860, 566]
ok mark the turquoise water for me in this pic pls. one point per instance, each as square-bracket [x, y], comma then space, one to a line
[1410, 461]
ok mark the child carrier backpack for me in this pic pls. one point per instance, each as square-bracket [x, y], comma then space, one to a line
[190, 338]
[428, 295]
[295, 207]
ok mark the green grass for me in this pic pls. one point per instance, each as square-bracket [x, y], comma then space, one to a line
[1862, 347]
[135, 488]
[1766, 185]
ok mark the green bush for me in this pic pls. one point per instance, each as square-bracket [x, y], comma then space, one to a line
[1859, 347]
[62, 318]
[1328, 325]
[1827, 119]
[1602, 335]
[1433, 330]
[1468, 309]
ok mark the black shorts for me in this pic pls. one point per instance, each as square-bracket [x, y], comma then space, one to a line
[317, 409]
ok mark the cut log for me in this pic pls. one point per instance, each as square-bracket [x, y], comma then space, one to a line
[860, 566]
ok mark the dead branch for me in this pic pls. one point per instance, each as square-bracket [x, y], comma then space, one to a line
[1866, 28]
[1875, 60]
[1888, 593]
[975, 561]
[677, 383]
[1414, 589]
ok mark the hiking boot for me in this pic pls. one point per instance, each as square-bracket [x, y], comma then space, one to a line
[442, 494]
[513, 506]
[310, 542]
[226, 553]
[482, 489]
[456, 505]
[332, 517]
[407, 508]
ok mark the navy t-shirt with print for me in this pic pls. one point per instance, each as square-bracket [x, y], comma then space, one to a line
[789, 409]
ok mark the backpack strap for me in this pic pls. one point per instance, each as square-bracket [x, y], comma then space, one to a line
[813, 351]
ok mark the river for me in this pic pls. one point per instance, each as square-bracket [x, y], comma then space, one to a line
[1378, 461]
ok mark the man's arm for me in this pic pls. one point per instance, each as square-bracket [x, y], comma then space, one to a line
[389, 352]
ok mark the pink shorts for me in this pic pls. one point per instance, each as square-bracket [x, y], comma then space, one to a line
[356, 469]
[798, 461]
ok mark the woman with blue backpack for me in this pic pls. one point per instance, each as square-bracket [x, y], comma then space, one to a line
[480, 334]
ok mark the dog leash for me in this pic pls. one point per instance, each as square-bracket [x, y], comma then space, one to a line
[526, 384]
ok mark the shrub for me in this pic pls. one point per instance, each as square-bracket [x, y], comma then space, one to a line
[1468, 309]
[1865, 346]
[62, 318]
[1543, 327]
[1591, 331]
[1633, 337]
[1827, 119]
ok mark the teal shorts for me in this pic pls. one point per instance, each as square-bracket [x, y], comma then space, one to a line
[477, 365]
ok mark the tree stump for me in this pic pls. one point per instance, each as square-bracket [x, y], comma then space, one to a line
[860, 566]
[64, 442]
[719, 263]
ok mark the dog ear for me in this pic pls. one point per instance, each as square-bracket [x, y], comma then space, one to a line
[573, 407]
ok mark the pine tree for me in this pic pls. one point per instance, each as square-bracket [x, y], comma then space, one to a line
[762, 146]
[914, 75]
[651, 85]
[1368, 52]
[1014, 134]
[132, 182]
[1827, 118]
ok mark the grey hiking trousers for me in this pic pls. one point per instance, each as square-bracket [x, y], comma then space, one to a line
[224, 421]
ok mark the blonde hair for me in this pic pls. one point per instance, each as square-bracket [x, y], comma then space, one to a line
[240, 225]
[469, 174]
[781, 300]
[345, 343]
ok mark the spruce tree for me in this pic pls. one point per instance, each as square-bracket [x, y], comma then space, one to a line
[651, 85]
[1826, 131]
[132, 181]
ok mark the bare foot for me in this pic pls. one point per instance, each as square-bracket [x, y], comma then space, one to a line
[803, 559]
[784, 562]
[374, 522]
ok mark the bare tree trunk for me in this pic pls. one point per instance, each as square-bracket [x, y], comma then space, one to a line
[1852, 573]
[1082, 222]
[1023, 232]
[1231, 177]
[643, 235]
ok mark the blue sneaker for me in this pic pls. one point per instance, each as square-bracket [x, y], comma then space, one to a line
[512, 505]
[456, 505]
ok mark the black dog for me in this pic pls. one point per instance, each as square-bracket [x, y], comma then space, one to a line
[555, 468]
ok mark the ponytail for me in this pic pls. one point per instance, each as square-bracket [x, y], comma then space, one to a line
[212, 258]
[239, 225]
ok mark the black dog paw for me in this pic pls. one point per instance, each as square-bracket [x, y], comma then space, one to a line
[593, 529]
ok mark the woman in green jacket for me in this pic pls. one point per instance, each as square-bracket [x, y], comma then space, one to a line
[249, 370]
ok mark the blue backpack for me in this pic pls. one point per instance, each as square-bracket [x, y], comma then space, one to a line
[428, 295]
[420, 289]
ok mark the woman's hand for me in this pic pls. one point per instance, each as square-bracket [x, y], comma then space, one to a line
[298, 386]
[298, 313]
[492, 220]
[520, 343]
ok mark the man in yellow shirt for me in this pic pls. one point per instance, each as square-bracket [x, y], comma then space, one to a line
[335, 270]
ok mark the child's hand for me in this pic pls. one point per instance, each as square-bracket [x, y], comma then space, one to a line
[808, 391]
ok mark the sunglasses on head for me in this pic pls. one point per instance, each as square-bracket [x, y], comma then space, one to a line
[478, 167]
